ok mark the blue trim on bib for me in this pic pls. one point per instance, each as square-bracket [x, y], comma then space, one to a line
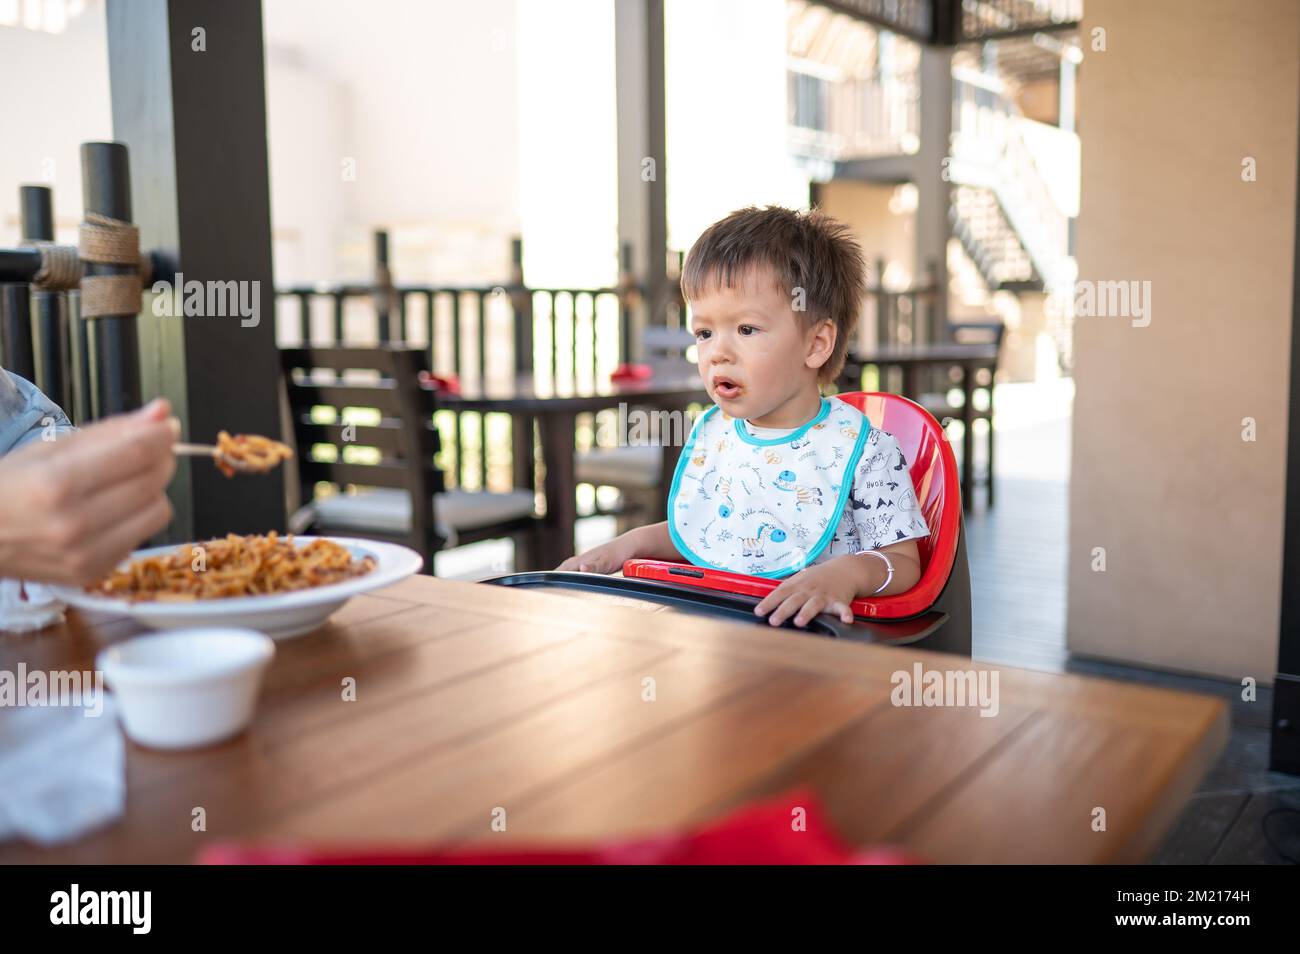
[749, 438]
[846, 488]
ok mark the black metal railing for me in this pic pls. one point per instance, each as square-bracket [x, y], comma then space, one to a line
[88, 365]
[1000, 19]
[946, 22]
[911, 18]
[480, 334]
[893, 316]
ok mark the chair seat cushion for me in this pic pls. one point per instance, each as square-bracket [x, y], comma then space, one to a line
[388, 510]
[640, 466]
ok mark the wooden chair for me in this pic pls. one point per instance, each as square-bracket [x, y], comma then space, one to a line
[398, 494]
[936, 402]
[637, 470]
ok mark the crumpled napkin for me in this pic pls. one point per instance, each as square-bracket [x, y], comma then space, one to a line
[62, 770]
[26, 606]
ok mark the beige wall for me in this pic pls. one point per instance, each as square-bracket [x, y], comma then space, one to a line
[1190, 515]
[882, 233]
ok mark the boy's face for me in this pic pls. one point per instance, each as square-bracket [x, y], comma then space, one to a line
[758, 358]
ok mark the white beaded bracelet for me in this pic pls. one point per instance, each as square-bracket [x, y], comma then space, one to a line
[889, 577]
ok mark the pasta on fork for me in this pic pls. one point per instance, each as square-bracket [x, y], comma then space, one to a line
[248, 453]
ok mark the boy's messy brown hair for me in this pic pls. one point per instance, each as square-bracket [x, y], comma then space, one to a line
[800, 250]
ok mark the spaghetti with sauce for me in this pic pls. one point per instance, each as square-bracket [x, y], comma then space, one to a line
[250, 453]
[253, 565]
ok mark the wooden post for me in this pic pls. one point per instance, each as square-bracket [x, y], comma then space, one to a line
[189, 99]
[642, 172]
[114, 342]
[383, 294]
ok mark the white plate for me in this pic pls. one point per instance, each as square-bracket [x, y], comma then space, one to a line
[279, 615]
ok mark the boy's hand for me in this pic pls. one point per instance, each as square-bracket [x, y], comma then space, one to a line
[606, 558]
[826, 588]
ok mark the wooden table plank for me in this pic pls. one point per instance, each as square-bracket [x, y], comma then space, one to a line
[460, 788]
[891, 766]
[282, 765]
[469, 699]
[673, 778]
[1139, 779]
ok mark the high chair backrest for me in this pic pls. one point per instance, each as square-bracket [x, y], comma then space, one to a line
[933, 467]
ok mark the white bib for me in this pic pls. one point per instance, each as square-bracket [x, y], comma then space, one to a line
[764, 507]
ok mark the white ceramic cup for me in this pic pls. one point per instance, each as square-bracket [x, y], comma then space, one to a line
[186, 688]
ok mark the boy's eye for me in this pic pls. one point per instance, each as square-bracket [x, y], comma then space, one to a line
[747, 329]
[701, 334]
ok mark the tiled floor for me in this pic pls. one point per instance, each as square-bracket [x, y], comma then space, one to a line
[1018, 579]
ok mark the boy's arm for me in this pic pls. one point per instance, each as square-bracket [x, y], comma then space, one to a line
[650, 542]
[654, 543]
[872, 571]
[829, 587]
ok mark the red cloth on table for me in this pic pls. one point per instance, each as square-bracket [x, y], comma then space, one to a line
[763, 833]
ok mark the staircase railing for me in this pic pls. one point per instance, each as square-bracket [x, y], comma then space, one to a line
[854, 118]
[989, 151]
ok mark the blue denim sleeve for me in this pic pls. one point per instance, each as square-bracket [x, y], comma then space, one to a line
[26, 413]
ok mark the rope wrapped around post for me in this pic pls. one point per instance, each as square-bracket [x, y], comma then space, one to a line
[61, 268]
[109, 241]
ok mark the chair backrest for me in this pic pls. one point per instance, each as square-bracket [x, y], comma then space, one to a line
[401, 444]
[933, 468]
[665, 348]
[977, 332]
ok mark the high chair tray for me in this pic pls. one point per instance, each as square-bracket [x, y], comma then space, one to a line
[909, 605]
[732, 607]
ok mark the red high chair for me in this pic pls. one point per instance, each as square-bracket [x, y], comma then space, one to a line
[934, 614]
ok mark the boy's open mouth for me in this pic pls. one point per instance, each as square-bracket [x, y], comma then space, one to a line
[725, 387]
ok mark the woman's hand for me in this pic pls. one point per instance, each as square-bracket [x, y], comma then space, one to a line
[825, 588]
[71, 509]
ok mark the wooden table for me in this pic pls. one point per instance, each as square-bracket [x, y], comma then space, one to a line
[470, 700]
[555, 407]
[970, 358]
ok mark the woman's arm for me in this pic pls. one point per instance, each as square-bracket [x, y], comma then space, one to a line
[26, 414]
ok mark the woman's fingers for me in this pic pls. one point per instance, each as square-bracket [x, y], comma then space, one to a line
[104, 553]
[99, 512]
[111, 451]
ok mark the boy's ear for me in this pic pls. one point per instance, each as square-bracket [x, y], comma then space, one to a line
[821, 343]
